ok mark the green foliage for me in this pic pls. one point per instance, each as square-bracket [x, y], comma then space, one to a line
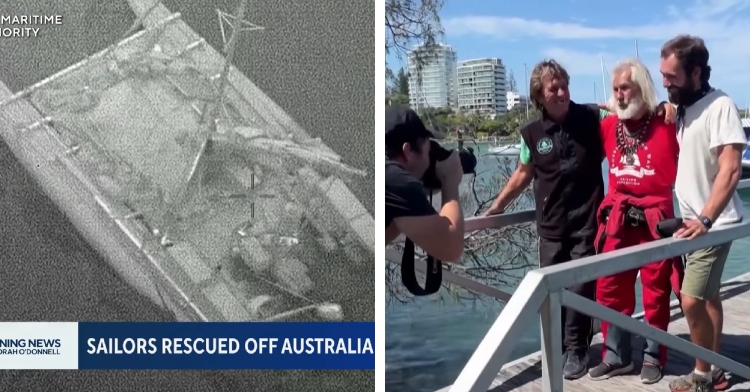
[411, 22]
[512, 82]
[402, 82]
[398, 93]
[398, 99]
[475, 125]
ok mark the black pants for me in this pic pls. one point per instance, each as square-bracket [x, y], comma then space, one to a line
[577, 327]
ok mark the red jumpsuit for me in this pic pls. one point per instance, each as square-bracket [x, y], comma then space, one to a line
[644, 181]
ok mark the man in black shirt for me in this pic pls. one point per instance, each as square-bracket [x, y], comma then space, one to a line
[407, 210]
[562, 152]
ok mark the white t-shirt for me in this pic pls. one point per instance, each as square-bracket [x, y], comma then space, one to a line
[710, 123]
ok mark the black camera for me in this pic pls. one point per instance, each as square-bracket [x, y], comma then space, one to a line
[439, 154]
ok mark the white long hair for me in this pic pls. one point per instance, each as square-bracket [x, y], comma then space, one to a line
[639, 75]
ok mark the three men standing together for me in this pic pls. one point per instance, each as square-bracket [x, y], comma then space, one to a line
[562, 153]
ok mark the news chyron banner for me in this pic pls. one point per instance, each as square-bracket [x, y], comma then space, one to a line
[258, 345]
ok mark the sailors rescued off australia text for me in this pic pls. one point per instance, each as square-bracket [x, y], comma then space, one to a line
[229, 346]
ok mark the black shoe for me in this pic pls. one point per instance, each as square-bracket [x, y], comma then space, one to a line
[650, 373]
[575, 366]
[604, 371]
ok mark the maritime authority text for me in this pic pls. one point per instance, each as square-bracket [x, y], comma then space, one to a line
[21, 24]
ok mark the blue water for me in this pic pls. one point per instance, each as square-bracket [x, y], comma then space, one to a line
[429, 340]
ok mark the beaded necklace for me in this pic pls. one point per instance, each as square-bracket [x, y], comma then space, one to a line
[628, 143]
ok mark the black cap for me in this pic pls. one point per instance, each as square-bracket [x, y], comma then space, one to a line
[402, 122]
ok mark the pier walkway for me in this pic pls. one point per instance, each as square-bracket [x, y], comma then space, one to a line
[525, 374]
[542, 293]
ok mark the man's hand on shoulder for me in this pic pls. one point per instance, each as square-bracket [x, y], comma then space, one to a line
[667, 111]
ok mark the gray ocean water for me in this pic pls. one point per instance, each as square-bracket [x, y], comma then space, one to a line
[429, 341]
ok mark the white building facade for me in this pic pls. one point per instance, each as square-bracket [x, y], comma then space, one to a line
[434, 85]
[514, 99]
[482, 86]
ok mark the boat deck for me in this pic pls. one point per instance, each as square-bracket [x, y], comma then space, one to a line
[525, 374]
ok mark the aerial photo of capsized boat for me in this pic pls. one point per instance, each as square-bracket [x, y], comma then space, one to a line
[207, 196]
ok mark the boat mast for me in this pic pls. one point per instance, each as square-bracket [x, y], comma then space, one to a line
[595, 98]
[230, 50]
[526, 82]
[215, 108]
[636, 50]
[604, 79]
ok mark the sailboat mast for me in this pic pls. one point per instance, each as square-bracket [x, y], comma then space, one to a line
[604, 80]
[231, 49]
[636, 50]
[526, 82]
[595, 92]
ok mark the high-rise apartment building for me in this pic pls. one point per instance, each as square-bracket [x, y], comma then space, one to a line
[482, 86]
[434, 85]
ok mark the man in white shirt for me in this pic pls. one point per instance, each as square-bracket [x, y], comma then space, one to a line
[711, 140]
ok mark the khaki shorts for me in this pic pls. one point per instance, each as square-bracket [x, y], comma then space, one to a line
[703, 270]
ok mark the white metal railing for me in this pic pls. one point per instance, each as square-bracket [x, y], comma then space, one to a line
[542, 292]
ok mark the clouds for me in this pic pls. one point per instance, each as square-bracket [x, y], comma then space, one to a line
[723, 24]
[712, 19]
[509, 28]
[580, 62]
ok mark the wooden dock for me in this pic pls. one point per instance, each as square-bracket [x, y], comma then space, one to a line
[525, 374]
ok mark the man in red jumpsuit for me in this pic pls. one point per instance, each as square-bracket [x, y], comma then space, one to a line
[641, 149]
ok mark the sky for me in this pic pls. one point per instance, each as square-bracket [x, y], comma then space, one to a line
[578, 33]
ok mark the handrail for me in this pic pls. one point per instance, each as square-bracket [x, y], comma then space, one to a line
[493, 222]
[549, 283]
[544, 291]
[525, 216]
[497, 221]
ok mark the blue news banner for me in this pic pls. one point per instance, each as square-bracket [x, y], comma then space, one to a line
[256, 345]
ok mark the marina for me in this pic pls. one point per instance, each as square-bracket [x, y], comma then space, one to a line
[746, 153]
[509, 150]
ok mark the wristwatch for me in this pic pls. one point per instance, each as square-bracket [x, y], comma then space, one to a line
[706, 221]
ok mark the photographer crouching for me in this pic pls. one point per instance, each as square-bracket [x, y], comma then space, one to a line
[414, 166]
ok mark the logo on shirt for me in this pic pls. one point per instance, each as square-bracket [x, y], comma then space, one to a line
[544, 146]
[629, 168]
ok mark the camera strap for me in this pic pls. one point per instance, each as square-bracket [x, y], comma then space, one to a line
[433, 273]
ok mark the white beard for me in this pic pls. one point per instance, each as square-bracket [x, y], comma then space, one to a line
[634, 106]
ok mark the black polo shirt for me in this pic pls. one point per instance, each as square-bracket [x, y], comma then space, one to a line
[568, 182]
[404, 194]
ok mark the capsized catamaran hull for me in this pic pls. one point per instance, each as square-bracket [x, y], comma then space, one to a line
[247, 220]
